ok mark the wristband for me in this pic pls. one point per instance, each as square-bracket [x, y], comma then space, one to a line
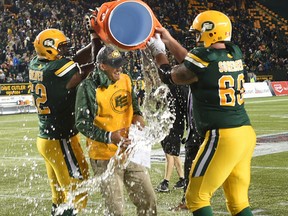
[165, 74]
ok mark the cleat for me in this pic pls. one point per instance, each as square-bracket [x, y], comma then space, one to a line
[163, 186]
[180, 184]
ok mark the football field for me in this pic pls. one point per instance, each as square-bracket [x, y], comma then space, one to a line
[25, 191]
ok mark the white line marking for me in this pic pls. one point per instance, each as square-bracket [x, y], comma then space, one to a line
[264, 101]
[24, 197]
[21, 158]
[273, 168]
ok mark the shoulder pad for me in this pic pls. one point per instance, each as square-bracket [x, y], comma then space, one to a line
[234, 50]
[205, 54]
[60, 67]
[197, 58]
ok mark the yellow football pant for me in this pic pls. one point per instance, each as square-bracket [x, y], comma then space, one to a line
[66, 167]
[224, 159]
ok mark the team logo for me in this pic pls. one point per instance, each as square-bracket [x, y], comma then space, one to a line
[49, 42]
[278, 87]
[115, 54]
[207, 26]
[120, 101]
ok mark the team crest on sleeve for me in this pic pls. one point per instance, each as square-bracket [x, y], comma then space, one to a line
[120, 101]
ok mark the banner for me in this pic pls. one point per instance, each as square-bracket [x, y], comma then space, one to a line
[280, 88]
[11, 104]
[15, 89]
[16, 99]
[258, 89]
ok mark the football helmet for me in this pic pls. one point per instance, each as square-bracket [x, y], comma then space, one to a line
[51, 44]
[211, 26]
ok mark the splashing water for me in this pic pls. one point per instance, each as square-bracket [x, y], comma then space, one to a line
[156, 105]
[159, 120]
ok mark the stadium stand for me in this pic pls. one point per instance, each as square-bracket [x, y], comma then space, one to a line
[255, 24]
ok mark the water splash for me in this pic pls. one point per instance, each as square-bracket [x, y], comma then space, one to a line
[156, 105]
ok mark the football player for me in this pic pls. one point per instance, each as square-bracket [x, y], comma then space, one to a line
[54, 76]
[214, 70]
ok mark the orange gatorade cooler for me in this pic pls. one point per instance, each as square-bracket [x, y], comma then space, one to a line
[127, 24]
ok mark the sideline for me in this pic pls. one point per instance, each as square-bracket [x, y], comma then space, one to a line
[261, 149]
[159, 156]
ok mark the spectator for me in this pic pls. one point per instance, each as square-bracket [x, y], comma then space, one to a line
[35, 11]
[19, 78]
[140, 90]
[2, 76]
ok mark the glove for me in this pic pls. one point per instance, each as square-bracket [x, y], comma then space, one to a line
[88, 18]
[156, 45]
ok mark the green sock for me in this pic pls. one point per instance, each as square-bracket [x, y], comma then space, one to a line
[205, 211]
[53, 209]
[245, 212]
[68, 212]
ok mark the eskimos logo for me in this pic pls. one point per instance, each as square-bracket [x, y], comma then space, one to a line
[207, 26]
[120, 101]
[49, 42]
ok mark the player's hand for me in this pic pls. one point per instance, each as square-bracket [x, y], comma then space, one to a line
[156, 45]
[87, 20]
[164, 34]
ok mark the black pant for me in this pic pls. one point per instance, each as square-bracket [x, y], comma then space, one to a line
[191, 148]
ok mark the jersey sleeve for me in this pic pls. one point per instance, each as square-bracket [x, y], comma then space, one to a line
[65, 68]
[192, 60]
[85, 110]
[199, 58]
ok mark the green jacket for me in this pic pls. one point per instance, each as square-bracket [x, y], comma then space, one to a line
[87, 105]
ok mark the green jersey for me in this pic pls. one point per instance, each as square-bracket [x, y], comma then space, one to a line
[55, 104]
[218, 94]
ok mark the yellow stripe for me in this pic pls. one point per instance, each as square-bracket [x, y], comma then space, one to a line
[197, 59]
[60, 70]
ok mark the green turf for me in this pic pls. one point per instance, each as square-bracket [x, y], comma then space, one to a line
[24, 188]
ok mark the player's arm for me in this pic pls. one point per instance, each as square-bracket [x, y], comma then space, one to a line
[88, 53]
[85, 59]
[178, 51]
[179, 74]
[81, 74]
